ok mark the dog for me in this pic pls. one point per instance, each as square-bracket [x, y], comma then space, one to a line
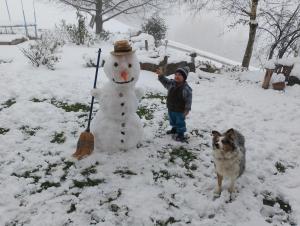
[229, 157]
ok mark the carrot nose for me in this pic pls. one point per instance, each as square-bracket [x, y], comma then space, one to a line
[124, 75]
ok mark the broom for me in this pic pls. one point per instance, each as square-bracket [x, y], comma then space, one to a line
[85, 144]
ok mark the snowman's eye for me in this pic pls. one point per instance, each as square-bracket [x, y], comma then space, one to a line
[116, 64]
[129, 65]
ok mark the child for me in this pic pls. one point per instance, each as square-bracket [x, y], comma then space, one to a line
[179, 101]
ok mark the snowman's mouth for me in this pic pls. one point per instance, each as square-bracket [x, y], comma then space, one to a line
[122, 82]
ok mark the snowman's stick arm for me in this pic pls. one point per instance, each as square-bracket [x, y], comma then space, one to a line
[95, 82]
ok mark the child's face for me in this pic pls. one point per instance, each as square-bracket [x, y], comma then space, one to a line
[178, 77]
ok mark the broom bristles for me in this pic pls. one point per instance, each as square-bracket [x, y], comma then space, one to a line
[85, 145]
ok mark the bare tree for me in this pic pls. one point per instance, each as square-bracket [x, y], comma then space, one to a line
[281, 25]
[243, 12]
[104, 10]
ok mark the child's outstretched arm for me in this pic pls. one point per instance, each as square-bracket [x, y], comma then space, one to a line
[167, 83]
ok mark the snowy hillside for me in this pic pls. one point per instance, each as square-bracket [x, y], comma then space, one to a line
[42, 114]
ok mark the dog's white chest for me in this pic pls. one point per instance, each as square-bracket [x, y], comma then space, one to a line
[227, 165]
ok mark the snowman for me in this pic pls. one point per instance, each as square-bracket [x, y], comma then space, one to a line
[116, 125]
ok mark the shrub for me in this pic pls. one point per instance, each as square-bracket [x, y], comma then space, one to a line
[156, 27]
[233, 68]
[105, 35]
[78, 34]
[44, 50]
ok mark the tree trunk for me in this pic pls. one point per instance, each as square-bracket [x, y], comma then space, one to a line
[98, 18]
[252, 33]
[271, 52]
[281, 52]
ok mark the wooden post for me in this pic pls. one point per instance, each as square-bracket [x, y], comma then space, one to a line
[25, 24]
[146, 45]
[267, 78]
[7, 8]
[35, 24]
[193, 56]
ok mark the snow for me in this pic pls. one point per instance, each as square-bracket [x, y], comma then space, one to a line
[277, 78]
[9, 38]
[205, 54]
[41, 184]
[296, 70]
[156, 184]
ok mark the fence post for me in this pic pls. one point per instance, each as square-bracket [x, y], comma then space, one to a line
[24, 19]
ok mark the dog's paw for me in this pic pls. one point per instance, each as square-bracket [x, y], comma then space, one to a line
[231, 189]
[217, 192]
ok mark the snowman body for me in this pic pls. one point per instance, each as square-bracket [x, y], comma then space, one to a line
[116, 125]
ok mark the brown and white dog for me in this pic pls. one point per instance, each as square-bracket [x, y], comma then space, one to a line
[229, 157]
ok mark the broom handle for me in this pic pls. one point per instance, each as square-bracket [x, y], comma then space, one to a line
[95, 82]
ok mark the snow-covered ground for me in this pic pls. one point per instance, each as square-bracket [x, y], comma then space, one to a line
[42, 114]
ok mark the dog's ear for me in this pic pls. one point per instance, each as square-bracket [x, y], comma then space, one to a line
[230, 133]
[215, 133]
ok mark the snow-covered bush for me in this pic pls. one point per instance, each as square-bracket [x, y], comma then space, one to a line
[207, 66]
[44, 51]
[78, 34]
[105, 35]
[234, 68]
[156, 27]
[138, 42]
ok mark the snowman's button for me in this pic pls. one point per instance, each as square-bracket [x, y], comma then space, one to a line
[123, 124]
[122, 132]
[121, 95]
[122, 104]
[122, 141]
[123, 113]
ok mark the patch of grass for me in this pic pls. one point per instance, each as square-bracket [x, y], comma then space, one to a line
[186, 156]
[124, 172]
[270, 200]
[280, 167]
[72, 208]
[159, 96]
[88, 183]
[28, 174]
[70, 107]
[88, 171]
[66, 168]
[9, 103]
[49, 168]
[113, 198]
[85, 115]
[145, 112]
[170, 220]
[29, 131]
[114, 208]
[197, 133]
[58, 138]
[162, 174]
[47, 184]
[36, 100]
[3, 131]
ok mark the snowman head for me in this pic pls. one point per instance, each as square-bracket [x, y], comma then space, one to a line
[122, 66]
